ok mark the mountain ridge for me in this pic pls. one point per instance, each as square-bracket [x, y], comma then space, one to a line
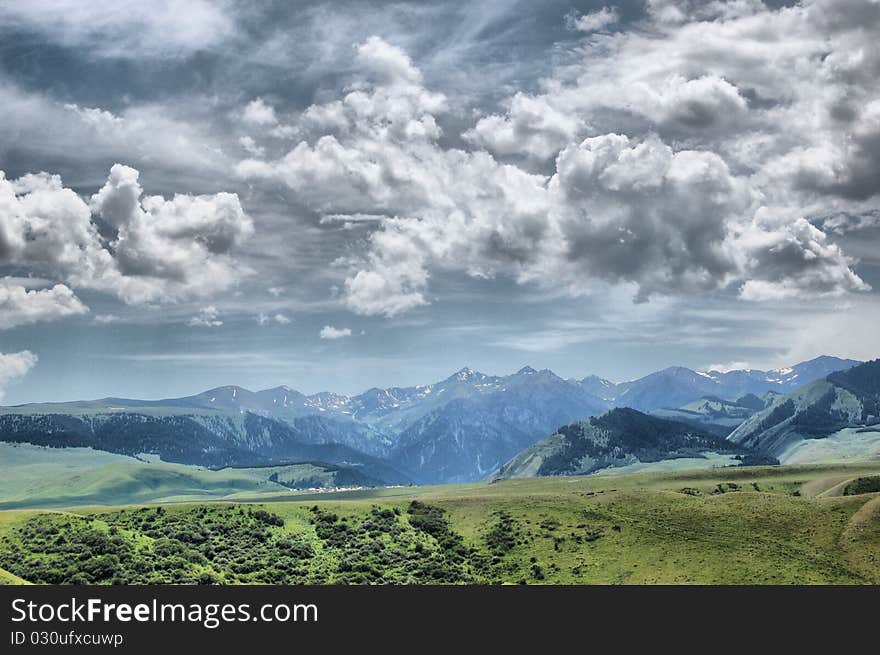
[843, 400]
[619, 438]
[453, 430]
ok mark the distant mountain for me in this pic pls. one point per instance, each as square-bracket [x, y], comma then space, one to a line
[676, 386]
[845, 399]
[716, 415]
[621, 437]
[599, 387]
[457, 429]
[471, 436]
[671, 387]
[211, 438]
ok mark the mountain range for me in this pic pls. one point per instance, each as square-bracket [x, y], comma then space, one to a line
[842, 410]
[676, 386]
[459, 429]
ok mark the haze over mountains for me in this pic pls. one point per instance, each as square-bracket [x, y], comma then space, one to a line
[461, 428]
[839, 412]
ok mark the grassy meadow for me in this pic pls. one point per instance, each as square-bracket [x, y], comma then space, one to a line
[762, 525]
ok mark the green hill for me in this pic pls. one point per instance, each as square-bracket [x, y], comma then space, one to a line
[842, 409]
[743, 525]
[624, 438]
[36, 476]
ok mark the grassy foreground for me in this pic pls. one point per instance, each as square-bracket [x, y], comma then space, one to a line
[764, 525]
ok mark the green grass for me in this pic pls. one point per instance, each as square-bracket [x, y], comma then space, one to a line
[37, 476]
[762, 525]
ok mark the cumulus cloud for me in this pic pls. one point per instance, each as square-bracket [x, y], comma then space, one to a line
[258, 113]
[14, 366]
[688, 157]
[332, 333]
[208, 317]
[20, 306]
[160, 250]
[531, 126]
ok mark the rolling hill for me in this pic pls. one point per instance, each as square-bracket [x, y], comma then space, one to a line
[38, 476]
[843, 408]
[717, 415]
[620, 438]
[741, 525]
[213, 439]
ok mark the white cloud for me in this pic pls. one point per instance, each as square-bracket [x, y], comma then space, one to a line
[682, 158]
[177, 135]
[163, 250]
[330, 332]
[26, 282]
[276, 291]
[280, 319]
[208, 317]
[250, 146]
[844, 329]
[20, 306]
[124, 28]
[14, 366]
[593, 21]
[531, 126]
[258, 113]
[140, 133]
[106, 319]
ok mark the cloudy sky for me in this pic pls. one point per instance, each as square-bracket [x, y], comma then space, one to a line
[338, 195]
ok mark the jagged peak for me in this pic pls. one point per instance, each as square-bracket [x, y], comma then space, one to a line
[466, 373]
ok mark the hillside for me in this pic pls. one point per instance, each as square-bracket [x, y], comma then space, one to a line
[842, 408]
[213, 439]
[739, 525]
[715, 414]
[620, 438]
[35, 476]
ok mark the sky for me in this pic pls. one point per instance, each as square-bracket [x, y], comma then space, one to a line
[341, 195]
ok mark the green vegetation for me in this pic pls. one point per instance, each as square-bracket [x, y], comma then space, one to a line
[858, 486]
[624, 437]
[198, 545]
[38, 476]
[762, 525]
